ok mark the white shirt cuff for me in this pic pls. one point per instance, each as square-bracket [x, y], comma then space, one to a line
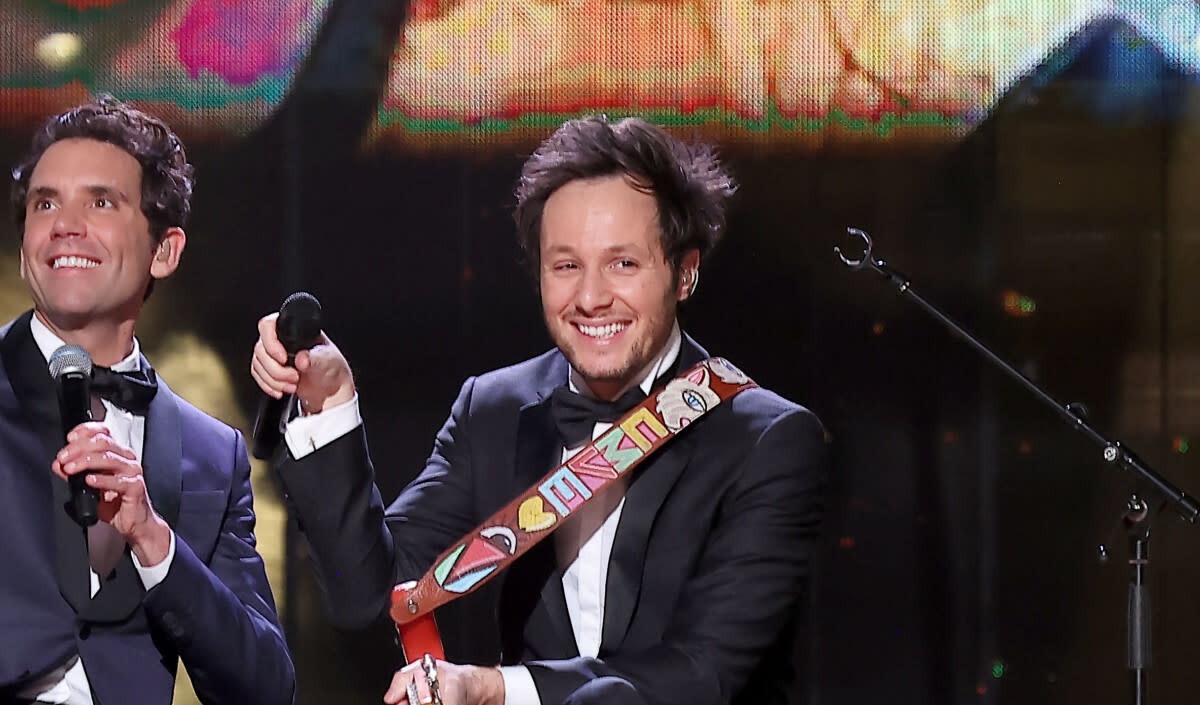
[519, 688]
[305, 434]
[153, 575]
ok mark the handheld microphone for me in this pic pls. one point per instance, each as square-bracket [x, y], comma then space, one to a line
[298, 328]
[71, 368]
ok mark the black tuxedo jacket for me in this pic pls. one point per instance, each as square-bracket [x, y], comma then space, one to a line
[712, 552]
[213, 609]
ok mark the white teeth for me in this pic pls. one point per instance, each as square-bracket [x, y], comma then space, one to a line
[602, 332]
[73, 261]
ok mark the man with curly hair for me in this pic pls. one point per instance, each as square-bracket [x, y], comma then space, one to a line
[103, 611]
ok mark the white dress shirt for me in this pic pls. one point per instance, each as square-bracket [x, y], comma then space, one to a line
[583, 543]
[68, 684]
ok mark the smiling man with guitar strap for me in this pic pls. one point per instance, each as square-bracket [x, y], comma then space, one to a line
[538, 511]
[682, 582]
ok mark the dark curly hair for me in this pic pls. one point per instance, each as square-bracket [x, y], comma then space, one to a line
[166, 174]
[688, 182]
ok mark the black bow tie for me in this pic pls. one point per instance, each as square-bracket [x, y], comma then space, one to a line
[131, 391]
[575, 416]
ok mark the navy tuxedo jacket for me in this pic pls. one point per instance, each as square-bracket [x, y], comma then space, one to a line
[214, 608]
[710, 559]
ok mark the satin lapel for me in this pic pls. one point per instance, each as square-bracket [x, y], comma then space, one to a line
[690, 353]
[32, 384]
[162, 453]
[538, 450]
[651, 484]
[34, 389]
[646, 494]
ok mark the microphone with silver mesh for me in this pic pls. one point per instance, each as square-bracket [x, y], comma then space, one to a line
[71, 368]
[298, 328]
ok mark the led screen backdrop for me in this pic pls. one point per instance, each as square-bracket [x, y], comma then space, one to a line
[465, 71]
[203, 65]
[793, 69]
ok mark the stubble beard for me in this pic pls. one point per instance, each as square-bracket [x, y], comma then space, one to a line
[632, 363]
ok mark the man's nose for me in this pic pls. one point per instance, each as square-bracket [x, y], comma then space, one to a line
[68, 222]
[594, 292]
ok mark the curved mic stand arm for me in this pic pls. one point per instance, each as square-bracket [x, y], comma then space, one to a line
[1074, 414]
[1137, 515]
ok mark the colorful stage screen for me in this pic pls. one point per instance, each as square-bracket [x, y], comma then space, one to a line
[469, 72]
[204, 65]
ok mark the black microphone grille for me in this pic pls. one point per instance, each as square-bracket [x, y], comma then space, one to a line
[299, 322]
[68, 359]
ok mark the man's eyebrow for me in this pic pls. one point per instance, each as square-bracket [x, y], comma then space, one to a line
[622, 248]
[95, 191]
[110, 191]
[41, 192]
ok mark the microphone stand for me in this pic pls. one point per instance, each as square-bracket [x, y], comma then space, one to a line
[1136, 516]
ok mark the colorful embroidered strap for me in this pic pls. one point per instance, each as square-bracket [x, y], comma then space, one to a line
[538, 511]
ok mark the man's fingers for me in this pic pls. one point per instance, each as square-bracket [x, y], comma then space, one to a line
[276, 369]
[113, 485]
[273, 378]
[94, 450]
[86, 430]
[99, 443]
[397, 692]
[408, 687]
[93, 443]
[107, 463]
[269, 340]
[263, 384]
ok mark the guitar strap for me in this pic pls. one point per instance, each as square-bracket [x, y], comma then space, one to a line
[538, 511]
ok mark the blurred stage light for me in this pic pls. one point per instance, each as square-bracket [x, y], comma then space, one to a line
[58, 49]
[1017, 305]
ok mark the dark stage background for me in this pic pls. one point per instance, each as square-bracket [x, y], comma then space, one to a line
[1054, 214]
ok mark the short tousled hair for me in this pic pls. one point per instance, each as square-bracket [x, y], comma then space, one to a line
[167, 177]
[688, 181]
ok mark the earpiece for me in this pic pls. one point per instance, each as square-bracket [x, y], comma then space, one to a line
[692, 279]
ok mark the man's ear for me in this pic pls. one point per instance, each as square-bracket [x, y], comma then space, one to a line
[168, 253]
[689, 275]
